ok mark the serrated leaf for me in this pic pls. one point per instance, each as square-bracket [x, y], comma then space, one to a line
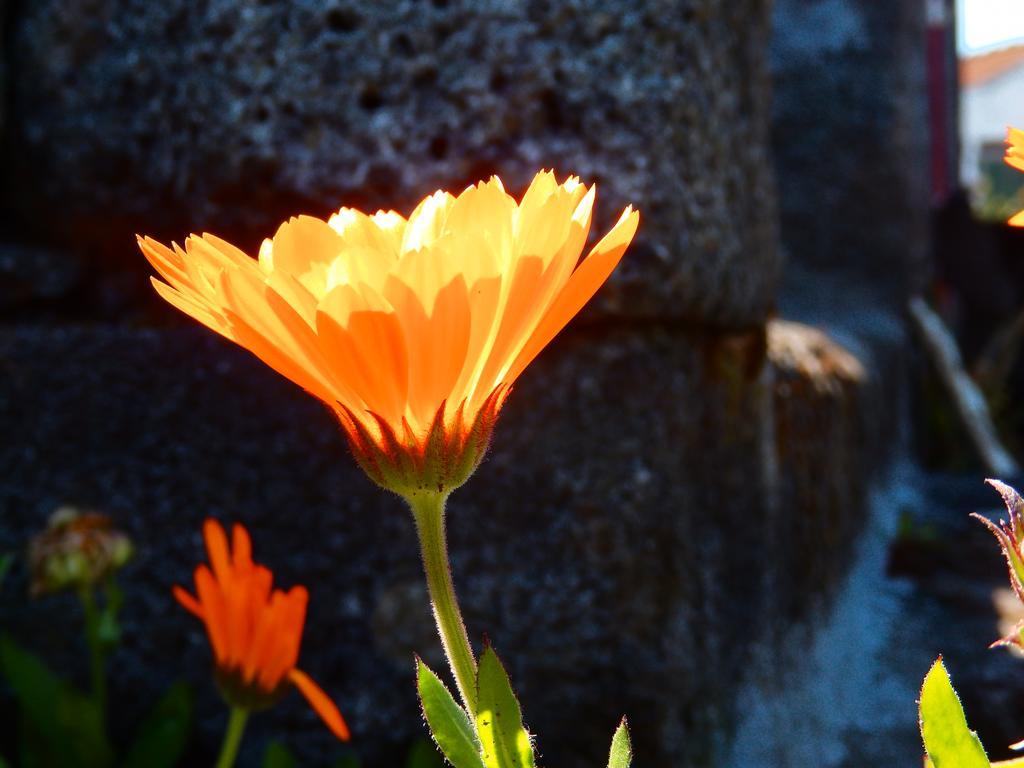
[621, 754]
[278, 756]
[448, 722]
[947, 739]
[423, 754]
[161, 739]
[499, 721]
[60, 726]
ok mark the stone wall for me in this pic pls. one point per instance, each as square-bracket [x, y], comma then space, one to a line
[648, 492]
[173, 117]
[850, 139]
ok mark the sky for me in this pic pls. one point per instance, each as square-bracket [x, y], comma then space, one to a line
[989, 23]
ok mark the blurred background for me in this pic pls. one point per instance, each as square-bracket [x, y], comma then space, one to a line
[730, 501]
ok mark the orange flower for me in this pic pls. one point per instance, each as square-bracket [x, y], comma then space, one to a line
[254, 630]
[412, 330]
[1015, 158]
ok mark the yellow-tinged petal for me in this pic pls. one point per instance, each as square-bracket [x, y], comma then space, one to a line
[393, 322]
[193, 308]
[584, 282]
[426, 222]
[302, 247]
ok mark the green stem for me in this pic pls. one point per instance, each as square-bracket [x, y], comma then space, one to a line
[428, 509]
[97, 664]
[232, 737]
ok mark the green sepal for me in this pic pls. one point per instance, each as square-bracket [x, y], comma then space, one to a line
[164, 734]
[499, 721]
[449, 724]
[947, 739]
[60, 726]
[621, 754]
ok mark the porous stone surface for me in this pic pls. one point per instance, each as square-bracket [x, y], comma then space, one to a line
[613, 546]
[819, 401]
[849, 139]
[171, 117]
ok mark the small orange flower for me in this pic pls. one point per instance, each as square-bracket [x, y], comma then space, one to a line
[254, 630]
[1015, 159]
[412, 330]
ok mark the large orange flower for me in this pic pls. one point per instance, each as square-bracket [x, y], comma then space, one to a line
[412, 330]
[254, 630]
[1015, 159]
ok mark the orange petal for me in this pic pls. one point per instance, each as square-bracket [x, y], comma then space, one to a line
[241, 548]
[188, 602]
[1017, 220]
[436, 344]
[217, 549]
[213, 611]
[321, 703]
[364, 339]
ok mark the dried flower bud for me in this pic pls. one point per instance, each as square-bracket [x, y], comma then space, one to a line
[1010, 536]
[77, 550]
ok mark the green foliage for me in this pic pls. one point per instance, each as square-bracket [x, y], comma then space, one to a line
[347, 761]
[60, 728]
[947, 739]
[278, 756]
[423, 754]
[6, 561]
[108, 630]
[163, 736]
[621, 754]
[449, 724]
[499, 722]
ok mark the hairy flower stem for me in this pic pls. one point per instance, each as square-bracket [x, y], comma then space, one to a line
[97, 662]
[232, 737]
[428, 510]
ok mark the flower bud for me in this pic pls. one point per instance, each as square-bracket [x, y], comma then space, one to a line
[76, 551]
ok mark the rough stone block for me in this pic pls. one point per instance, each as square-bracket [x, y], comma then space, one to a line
[850, 139]
[610, 546]
[177, 116]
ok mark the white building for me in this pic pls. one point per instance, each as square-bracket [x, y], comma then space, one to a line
[991, 98]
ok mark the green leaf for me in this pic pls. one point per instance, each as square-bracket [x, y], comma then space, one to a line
[60, 727]
[6, 561]
[448, 722]
[278, 756]
[161, 739]
[499, 723]
[423, 754]
[108, 630]
[347, 761]
[621, 754]
[947, 739]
